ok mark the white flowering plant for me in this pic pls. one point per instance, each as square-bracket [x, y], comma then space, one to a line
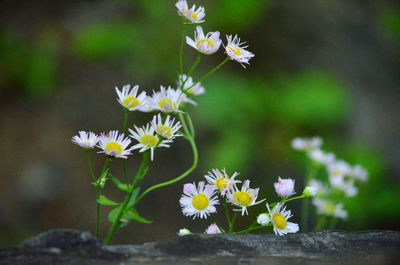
[170, 121]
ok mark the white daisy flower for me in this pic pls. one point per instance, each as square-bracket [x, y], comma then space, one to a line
[167, 100]
[198, 201]
[284, 187]
[307, 144]
[337, 172]
[279, 217]
[192, 15]
[147, 140]
[213, 229]
[167, 129]
[184, 232]
[129, 99]
[221, 181]
[236, 50]
[319, 186]
[359, 173]
[263, 219]
[329, 208]
[86, 140]
[321, 157]
[195, 90]
[206, 44]
[310, 191]
[243, 198]
[114, 145]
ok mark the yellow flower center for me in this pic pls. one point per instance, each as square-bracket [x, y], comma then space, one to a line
[329, 208]
[167, 105]
[207, 41]
[279, 221]
[235, 50]
[130, 102]
[221, 183]
[243, 198]
[113, 147]
[194, 16]
[164, 131]
[149, 140]
[200, 201]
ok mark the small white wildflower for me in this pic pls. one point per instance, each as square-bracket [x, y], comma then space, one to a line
[221, 181]
[329, 208]
[263, 219]
[319, 186]
[147, 140]
[206, 44]
[321, 157]
[87, 140]
[213, 229]
[198, 201]
[284, 187]
[192, 15]
[114, 145]
[195, 90]
[306, 144]
[167, 129]
[279, 217]
[310, 191]
[359, 173]
[167, 100]
[184, 232]
[129, 99]
[236, 50]
[243, 198]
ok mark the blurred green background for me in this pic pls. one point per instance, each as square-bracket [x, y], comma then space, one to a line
[327, 68]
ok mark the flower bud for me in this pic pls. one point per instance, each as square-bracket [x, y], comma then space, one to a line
[310, 191]
[184, 232]
[263, 219]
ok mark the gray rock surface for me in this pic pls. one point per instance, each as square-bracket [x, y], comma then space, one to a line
[62, 247]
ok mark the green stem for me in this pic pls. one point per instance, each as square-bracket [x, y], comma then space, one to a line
[305, 207]
[209, 73]
[233, 222]
[191, 127]
[294, 198]
[321, 222]
[182, 176]
[332, 223]
[195, 64]
[228, 217]
[245, 231]
[124, 129]
[90, 166]
[98, 194]
[144, 166]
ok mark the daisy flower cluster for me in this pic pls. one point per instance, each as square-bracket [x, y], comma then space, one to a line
[335, 183]
[169, 107]
[221, 189]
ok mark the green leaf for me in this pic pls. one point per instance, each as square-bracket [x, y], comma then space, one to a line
[132, 201]
[134, 215]
[103, 200]
[118, 183]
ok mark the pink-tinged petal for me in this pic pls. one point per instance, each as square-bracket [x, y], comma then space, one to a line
[189, 188]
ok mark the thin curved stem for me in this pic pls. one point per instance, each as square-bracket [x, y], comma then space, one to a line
[305, 207]
[98, 194]
[181, 50]
[233, 222]
[245, 231]
[144, 166]
[209, 73]
[124, 129]
[90, 166]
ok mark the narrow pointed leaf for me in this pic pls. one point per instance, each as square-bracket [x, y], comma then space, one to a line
[103, 200]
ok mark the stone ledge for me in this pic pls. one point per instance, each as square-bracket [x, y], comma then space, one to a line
[63, 246]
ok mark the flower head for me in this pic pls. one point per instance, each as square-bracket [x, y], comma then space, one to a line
[221, 181]
[147, 140]
[263, 219]
[206, 44]
[236, 50]
[244, 197]
[192, 15]
[279, 217]
[329, 208]
[184, 232]
[319, 186]
[307, 144]
[167, 100]
[310, 191]
[213, 229]
[198, 201]
[86, 140]
[359, 173]
[284, 187]
[114, 144]
[321, 157]
[166, 129]
[129, 99]
[195, 88]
